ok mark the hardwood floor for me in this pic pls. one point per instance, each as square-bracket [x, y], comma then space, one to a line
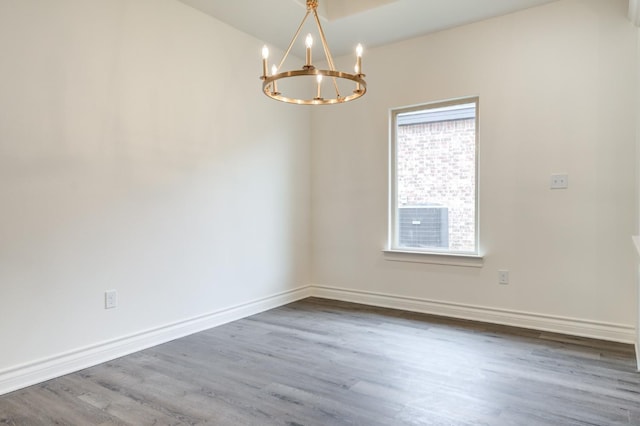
[319, 362]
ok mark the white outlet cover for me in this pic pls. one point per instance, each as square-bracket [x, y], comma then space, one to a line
[503, 277]
[110, 299]
[559, 181]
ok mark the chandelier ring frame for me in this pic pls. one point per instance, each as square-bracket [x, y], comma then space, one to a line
[268, 85]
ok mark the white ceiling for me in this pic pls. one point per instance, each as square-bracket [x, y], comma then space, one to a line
[349, 22]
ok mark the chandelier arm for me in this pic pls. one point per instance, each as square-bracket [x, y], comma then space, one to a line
[323, 39]
[327, 52]
[295, 37]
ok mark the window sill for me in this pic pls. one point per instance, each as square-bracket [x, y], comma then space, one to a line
[449, 259]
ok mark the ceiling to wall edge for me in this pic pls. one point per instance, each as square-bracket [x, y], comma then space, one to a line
[370, 22]
[634, 12]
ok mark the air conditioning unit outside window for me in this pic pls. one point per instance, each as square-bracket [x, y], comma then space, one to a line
[423, 226]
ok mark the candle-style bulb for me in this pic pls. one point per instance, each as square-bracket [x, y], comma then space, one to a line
[309, 43]
[359, 50]
[274, 71]
[265, 57]
[319, 80]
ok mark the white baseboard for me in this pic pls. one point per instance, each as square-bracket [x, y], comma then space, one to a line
[36, 372]
[571, 326]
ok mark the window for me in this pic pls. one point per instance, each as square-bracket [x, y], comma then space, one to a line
[433, 196]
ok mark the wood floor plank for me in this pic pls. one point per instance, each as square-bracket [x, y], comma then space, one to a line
[320, 362]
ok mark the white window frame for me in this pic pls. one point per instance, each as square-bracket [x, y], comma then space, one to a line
[430, 255]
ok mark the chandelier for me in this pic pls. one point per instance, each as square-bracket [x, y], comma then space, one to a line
[312, 92]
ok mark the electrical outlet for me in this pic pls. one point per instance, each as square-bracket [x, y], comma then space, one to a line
[503, 277]
[559, 181]
[110, 299]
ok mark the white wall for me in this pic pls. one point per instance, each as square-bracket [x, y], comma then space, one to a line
[138, 153]
[638, 183]
[135, 155]
[553, 83]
